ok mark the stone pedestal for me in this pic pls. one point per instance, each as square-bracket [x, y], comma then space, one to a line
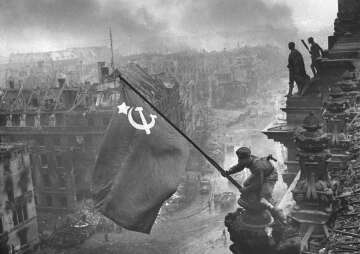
[249, 232]
[313, 193]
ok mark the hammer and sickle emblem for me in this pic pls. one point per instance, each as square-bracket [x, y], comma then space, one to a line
[144, 125]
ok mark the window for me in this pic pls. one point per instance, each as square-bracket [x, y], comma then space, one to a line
[44, 161]
[41, 140]
[88, 140]
[61, 180]
[15, 218]
[2, 120]
[57, 141]
[49, 201]
[15, 120]
[59, 119]
[20, 214]
[7, 164]
[63, 202]
[9, 188]
[46, 179]
[1, 225]
[25, 212]
[91, 122]
[106, 121]
[59, 161]
[22, 234]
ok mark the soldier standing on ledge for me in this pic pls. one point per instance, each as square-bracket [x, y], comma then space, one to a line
[297, 72]
[315, 51]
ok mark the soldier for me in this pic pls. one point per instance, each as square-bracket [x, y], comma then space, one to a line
[260, 169]
[315, 51]
[297, 72]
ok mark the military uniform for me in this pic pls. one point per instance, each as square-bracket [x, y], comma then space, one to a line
[260, 169]
[297, 72]
[316, 52]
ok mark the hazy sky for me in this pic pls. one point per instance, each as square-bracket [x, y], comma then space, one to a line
[146, 25]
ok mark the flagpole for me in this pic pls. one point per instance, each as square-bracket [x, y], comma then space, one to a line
[212, 162]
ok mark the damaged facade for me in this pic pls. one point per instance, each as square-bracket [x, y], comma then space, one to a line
[32, 70]
[64, 125]
[18, 220]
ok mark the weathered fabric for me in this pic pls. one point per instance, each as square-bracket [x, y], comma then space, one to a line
[136, 172]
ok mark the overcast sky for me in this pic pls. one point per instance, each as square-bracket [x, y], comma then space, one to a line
[147, 25]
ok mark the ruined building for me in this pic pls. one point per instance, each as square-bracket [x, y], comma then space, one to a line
[18, 221]
[63, 126]
[42, 69]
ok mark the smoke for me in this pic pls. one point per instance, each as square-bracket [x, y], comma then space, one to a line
[243, 21]
[143, 25]
[72, 22]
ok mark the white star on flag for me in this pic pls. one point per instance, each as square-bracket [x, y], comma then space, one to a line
[123, 108]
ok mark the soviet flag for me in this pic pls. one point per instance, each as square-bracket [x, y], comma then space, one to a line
[140, 162]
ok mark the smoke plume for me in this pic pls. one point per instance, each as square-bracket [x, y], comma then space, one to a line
[141, 26]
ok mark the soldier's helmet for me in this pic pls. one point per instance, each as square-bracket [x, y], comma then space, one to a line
[243, 152]
[291, 45]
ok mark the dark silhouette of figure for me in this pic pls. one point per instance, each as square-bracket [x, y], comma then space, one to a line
[297, 72]
[315, 51]
[260, 169]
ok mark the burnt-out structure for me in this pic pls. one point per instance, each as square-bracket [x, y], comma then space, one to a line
[18, 220]
[42, 69]
[63, 126]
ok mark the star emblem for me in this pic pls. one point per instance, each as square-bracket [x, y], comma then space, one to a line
[123, 108]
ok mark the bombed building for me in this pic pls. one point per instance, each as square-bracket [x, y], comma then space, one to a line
[64, 124]
[43, 69]
[18, 217]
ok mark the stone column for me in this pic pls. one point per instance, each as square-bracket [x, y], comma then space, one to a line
[313, 192]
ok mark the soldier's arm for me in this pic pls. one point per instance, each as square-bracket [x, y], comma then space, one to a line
[235, 169]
